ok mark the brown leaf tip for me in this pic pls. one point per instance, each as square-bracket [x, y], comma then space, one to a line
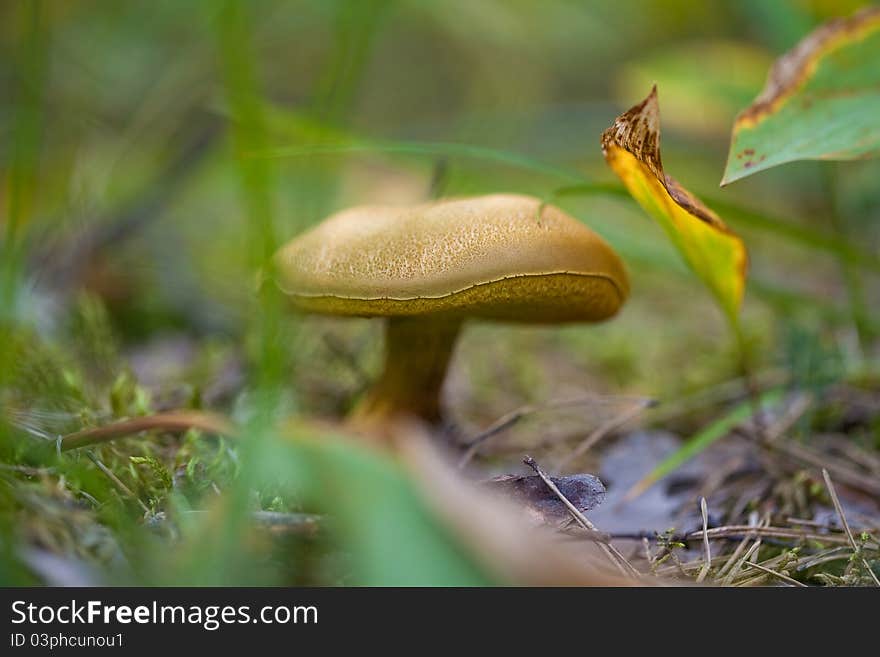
[792, 69]
[638, 131]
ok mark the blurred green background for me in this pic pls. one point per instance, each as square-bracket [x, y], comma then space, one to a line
[155, 153]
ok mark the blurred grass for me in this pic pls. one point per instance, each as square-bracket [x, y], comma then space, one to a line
[154, 155]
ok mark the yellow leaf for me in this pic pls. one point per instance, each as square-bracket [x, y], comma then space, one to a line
[714, 252]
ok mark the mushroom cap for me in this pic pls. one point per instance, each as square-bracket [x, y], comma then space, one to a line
[488, 257]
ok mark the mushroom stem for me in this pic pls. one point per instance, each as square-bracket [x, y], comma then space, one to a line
[417, 353]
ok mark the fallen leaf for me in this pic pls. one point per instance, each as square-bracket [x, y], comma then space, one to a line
[714, 252]
[821, 101]
[585, 491]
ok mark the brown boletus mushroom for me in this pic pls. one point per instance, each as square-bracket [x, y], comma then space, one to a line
[429, 267]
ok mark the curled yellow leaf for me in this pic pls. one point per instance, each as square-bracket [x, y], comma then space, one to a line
[715, 253]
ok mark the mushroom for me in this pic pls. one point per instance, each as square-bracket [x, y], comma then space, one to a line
[429, 267]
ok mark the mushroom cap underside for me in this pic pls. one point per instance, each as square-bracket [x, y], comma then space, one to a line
[489, 257]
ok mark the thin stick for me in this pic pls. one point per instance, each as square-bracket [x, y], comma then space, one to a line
[784, 578]
[603, 429]
[837, 507]
[612, 552]
[732, 559]
[704, 510]
[811, 523]
[175, 421]
[744, 579]
[834, 554]
[725, 392]
[735, 571]
[842, 472]
[509, 419]
[684, 568]
[117, 481]
[753, 520]
[852, 541]
[772, 532]
[499, 425]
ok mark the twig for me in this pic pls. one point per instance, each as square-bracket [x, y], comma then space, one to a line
[842, 472]
[721, 393]
[613, 553]
[804, 455]
[774, 532]
[683, 568]
[603, 429]
[784, 578]
[746, 558]
[834, 554]
[499, 425]
[753, 520]
[855, 453]
[811, 523]
[744, 579]
[750, 557]
[852, 541]
[837, 507]
[117, 481]
[509, 419]
[176, 421]
[576, 531]
[705, 513]
[745, 532]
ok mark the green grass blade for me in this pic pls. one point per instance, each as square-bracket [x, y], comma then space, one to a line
[701, 441]
[805, 237]
[432, 149]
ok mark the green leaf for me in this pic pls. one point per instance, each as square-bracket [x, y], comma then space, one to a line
[821, 101]
[432, 149]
